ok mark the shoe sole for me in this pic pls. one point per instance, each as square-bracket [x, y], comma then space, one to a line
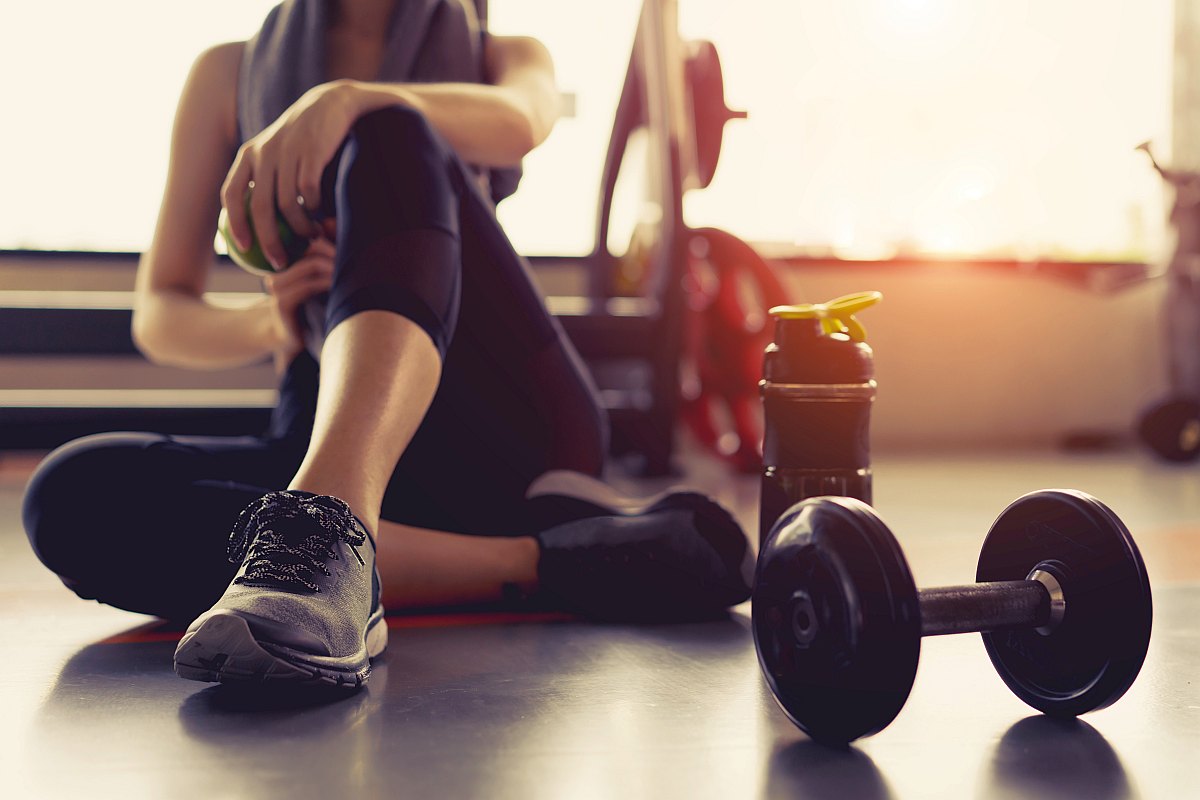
[607, 500]
[222, 649]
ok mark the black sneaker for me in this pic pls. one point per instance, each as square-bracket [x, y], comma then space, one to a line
[304, 607]
[676, 557]
[560, 496]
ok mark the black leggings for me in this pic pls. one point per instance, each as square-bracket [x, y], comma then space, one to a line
[140, 520]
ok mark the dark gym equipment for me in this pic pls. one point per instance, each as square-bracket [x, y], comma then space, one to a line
[706, 87]
[631, 325]
[1171, 427]
[1062, 600]
[728, 289]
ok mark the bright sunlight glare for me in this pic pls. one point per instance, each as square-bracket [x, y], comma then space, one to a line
[877, 127]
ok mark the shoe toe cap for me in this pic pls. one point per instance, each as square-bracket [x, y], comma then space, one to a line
[273, 632]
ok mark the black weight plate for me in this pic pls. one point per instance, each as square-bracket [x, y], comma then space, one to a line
[1172, 429]
[706, 85]
[836, 622]
[1093, 655]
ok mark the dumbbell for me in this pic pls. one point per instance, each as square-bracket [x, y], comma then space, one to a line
[1062, 600]
[1172, 429]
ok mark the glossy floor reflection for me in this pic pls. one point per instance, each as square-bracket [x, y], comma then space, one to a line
[493, 707]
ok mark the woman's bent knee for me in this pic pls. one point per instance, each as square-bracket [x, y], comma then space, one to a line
[396, 173]
[121, 518]
[64, 493]
[397, 127]
[397, 195]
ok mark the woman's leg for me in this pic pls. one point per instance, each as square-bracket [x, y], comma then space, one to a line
[306, 603]
[141, 521]
[512, 400]
[392, 308]
[419, 567]
[379, 374]
[481, 401]
[424, 568]
[474, 409]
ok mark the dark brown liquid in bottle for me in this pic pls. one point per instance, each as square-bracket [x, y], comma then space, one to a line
[817, 390]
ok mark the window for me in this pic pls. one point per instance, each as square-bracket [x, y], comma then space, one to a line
[983, 127]
[88, 98]
[877, 127]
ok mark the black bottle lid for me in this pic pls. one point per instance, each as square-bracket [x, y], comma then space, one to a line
[821, 342]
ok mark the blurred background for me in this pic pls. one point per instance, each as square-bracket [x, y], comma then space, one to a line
[877, 128]
[972, 159]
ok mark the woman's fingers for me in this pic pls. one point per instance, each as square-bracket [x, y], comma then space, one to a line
[233, 197]
[329, 228]
[264, 215]
[262, 211]
[253, 171]
[290, 299]
[321, 247]
[287, 302]
[305, 269]
[292, 204]
[305, 279]
[284, 163]
[308, 183]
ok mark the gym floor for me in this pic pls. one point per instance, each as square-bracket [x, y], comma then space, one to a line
[493, 707]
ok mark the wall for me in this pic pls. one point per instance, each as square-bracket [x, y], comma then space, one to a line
[968, 356]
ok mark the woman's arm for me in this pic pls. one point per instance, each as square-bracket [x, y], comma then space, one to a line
[172, 322]
[490, 125]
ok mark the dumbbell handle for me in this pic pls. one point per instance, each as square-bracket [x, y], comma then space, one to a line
[1034, 603]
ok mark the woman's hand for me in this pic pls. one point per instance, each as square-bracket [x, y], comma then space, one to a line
[308, 277]
[283, 165]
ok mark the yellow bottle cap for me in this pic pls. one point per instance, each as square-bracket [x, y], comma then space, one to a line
[837, 315]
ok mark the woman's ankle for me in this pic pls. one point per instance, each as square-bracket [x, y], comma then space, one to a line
[527, 555]
[365, 510]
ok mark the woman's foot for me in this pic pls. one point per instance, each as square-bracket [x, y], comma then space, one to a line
[682, 557]
[305, 605]
[562, 495]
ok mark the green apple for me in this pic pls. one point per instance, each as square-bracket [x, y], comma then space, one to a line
[253, 259]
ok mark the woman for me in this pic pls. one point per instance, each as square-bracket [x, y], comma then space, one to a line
[429, 407]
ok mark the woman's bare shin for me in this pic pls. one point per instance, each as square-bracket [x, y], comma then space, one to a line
[424, 568]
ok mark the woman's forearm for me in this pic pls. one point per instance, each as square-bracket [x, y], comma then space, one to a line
[179, 330]
[486, 125]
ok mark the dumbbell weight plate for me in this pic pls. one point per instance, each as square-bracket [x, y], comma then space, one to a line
[836, 621]
[1172, 429]
[1095, 652]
